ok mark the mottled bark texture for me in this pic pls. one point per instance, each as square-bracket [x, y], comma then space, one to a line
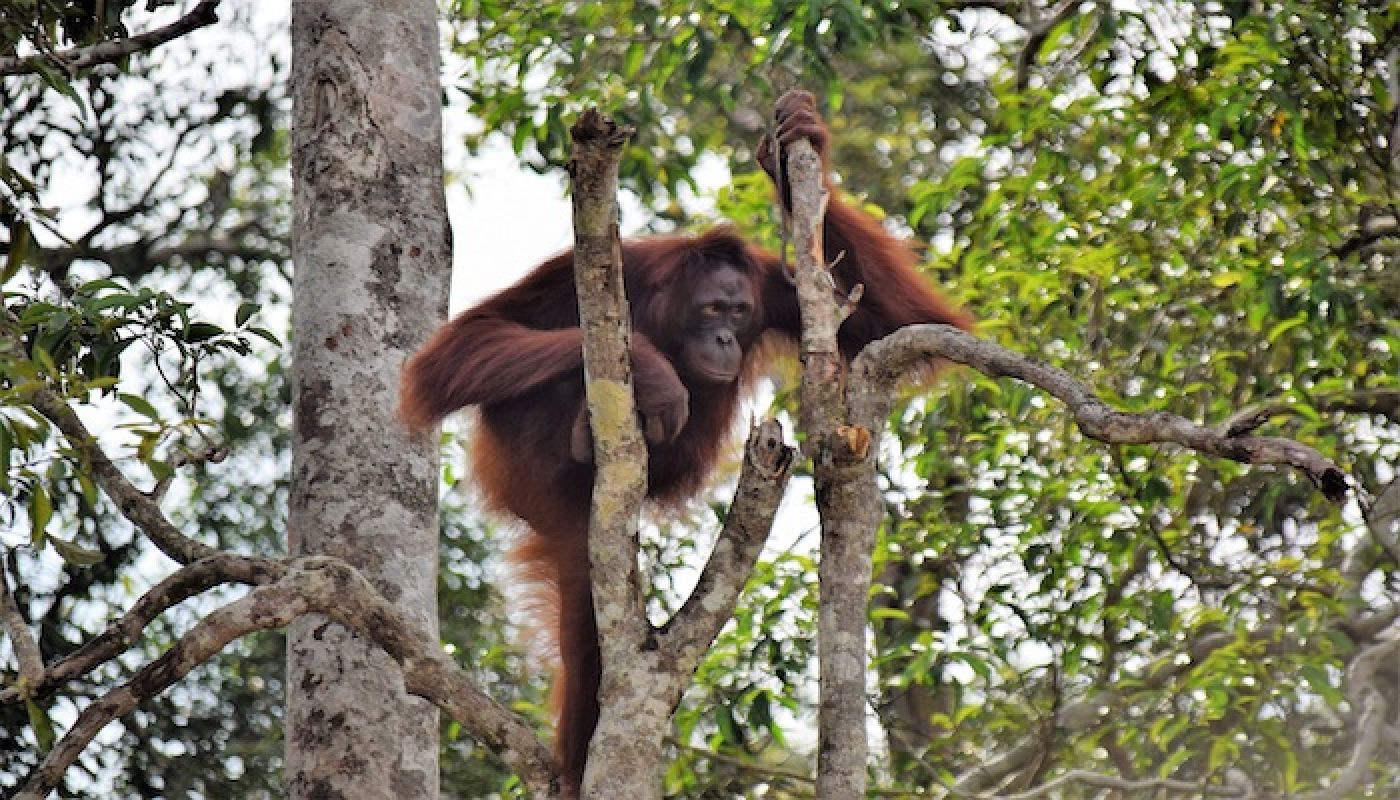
[620, 456]
[645, 670]
[848, 499]
[372, 255]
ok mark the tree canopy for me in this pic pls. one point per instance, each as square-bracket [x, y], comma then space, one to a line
[1190, 207]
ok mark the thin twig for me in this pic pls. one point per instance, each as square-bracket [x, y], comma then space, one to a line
[140, 509]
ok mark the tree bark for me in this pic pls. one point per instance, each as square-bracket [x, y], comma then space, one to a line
[848, 498]
[372, 252]
[625, 757]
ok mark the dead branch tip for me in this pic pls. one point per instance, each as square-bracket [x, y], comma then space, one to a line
[594, 128]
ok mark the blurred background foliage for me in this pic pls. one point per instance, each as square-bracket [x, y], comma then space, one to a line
[1191, 206]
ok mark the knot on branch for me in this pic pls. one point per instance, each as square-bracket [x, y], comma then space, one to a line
[767, 450]
[845, 446]
[1332, 483]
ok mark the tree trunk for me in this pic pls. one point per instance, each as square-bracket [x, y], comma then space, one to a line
[372, 253]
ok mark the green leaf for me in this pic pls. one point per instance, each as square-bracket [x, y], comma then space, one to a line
[74, 554]
[632, 61]
[95, 286]
[41, 355]
[20, 237]
[6, 445]
[1284, 327]
[245, 312]
[728, 728]
[1222, 750]
[40, 512]
[40, 723]
[202, 331]
[140, 405]
[264, 333]
[1315, 675]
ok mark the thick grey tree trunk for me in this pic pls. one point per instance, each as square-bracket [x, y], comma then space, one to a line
[372, 255]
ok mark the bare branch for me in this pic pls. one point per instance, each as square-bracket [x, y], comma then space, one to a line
[26, 647]
[122, 633]
[137, 258]
[767, 465]
[265, 607]
[80, 58]
[1361, 401]
[1370, 725]
[1373, 230]
[619, 452]
[879, 367]
[767, 772]
[625, 749]
[1138, 788]
[1036, 32]
[822, 407]
[848, 498]
[331, 587]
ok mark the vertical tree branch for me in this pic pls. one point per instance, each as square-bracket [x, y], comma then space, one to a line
[847, 495]
[625, 753]
[31, 661]
[767, 464]
[620, 455]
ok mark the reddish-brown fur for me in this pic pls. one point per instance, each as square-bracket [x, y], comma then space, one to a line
[518, 357]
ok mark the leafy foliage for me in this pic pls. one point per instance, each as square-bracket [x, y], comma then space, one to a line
[1180, 203]
[1190, 206]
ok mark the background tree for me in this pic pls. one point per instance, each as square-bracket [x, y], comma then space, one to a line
[373, 253]
[162, 171]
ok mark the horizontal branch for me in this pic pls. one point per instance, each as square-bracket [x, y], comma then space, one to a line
[136, 259]
[122, 633]
[266, 607]
[331, 587]
[1147, 787]
[79, 58]
[1385, 402]
[883, 363]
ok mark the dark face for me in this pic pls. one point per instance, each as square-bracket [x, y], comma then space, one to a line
[718, 318]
